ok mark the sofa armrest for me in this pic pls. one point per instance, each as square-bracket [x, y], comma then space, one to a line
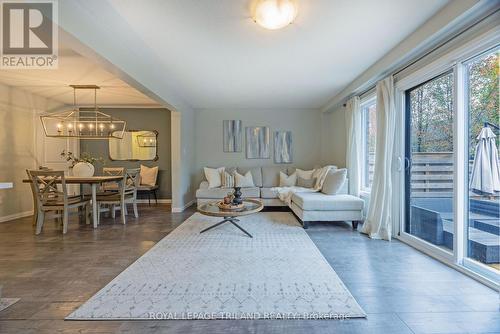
[204, 185]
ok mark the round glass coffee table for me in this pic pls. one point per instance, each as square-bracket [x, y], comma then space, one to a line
[230, 216]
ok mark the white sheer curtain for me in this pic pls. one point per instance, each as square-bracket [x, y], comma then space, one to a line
[378, 223]
[353, 151]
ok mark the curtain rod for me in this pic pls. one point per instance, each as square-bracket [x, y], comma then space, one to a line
[404, 67]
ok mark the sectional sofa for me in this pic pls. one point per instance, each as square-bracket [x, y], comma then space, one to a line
[307, 207]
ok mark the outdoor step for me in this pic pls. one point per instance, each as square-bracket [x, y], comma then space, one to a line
[487, 225]
[483, 246]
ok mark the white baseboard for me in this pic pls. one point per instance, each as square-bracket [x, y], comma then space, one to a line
[187, 205]
[162, 201]
[16, 216]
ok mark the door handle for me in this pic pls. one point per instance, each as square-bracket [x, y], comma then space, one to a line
[407, 163]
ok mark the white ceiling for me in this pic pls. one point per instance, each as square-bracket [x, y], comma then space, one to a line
[219, 58]
[75, 69]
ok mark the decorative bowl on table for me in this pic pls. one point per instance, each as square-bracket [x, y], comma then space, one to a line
[230, 206]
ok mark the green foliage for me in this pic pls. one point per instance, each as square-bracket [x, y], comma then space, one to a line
[483, 95]
[84, 157]
[432, 108]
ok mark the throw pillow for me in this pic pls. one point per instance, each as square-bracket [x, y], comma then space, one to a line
[305, 174]
[244, 181]
[288, 181]
[227, 180]
[213, 176]
[148, 175]
[306, 183]
[334, 181]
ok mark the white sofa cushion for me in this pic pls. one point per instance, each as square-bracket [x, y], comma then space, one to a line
[271, 176]
[334, 181]
[219, 193]
[321, 202]
[304, 174]
[268, 193]
[288, 181]
[256, 174]
[245, 181]
[213, 176]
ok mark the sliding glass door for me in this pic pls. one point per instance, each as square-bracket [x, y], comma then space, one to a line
[451, 172]
[483, 205]
[429, 161]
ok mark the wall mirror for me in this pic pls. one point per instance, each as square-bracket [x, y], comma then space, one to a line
[136, 145]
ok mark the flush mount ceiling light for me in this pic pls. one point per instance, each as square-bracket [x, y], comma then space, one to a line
[83, 123]
[274, 14]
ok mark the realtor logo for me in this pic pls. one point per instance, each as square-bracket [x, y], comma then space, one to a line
[29, 34]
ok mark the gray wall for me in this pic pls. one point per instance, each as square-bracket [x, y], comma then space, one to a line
[139, 119]
[305, 125]
[333, 138]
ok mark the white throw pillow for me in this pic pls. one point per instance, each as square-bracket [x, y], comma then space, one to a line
[213, 176]
[334, 181]
[227, 180]
[148, 175]
[288, 181]
[304, 174]
[244, 181]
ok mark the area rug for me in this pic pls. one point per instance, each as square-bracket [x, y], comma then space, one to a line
[224, 274]
[6, 302]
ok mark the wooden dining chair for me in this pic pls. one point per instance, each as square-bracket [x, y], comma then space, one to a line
[127, 194]
[51, 194]
[111, 171]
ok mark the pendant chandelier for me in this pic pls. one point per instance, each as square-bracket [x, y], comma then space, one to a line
[84, 123]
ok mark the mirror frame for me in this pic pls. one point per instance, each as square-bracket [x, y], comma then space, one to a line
[130, 130]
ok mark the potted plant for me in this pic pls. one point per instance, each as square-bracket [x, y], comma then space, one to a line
[82, 166]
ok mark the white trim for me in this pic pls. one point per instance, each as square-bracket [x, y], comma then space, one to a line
[447, 61]
[16, 216]
[464, 270]
[460, 170]
[427, 247]
[187, 205]
[160, 200]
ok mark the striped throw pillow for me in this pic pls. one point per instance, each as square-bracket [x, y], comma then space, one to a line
[227, 180]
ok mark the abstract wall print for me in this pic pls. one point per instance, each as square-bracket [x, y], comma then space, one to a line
[258, 142]
[283, 147]
[232, 136]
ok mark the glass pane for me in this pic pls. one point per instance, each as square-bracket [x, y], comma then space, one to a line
[483, 224]
[430, 160]
[135, 145]
[369, 111]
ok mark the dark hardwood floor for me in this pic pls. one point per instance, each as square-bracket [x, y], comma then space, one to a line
[401, 289]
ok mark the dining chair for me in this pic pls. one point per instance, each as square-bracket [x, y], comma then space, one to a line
[111, 171]
[127, 194]
[51, 194]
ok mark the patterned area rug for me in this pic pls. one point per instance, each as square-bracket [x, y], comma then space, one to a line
[223, 274]
[6, 302]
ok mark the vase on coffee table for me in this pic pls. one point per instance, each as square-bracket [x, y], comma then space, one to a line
[237, 200]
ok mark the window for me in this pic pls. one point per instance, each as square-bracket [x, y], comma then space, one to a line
[368, 138]
[450, 157]
[483, 224]
[429, 153]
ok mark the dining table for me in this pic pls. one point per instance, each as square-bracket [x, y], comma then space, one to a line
[94, 182]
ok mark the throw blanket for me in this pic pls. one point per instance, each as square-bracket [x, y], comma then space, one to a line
[285, 193]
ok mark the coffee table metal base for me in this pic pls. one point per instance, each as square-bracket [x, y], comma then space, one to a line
[231, 220]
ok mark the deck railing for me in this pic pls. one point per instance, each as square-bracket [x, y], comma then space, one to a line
[432, 174]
